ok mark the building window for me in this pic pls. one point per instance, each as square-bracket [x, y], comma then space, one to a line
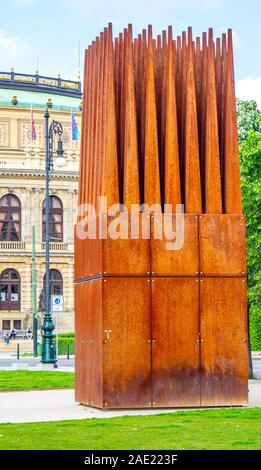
[17, 324]
[9, 290]
[56, 282]
[6, 325]
[10, 218]
[55, 219]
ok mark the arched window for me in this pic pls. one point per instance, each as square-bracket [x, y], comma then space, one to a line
[56, 282]
[9, 290]
[10, 218]
[55, 219]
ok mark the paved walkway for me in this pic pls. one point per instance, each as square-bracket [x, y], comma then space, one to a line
[58, 405]
[65, 365]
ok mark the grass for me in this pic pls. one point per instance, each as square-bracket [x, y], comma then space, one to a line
[35, 380]
[207, 429]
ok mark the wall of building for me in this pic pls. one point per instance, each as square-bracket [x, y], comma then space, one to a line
[22, 173]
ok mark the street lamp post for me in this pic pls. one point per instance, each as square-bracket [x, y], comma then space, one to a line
[55, 129]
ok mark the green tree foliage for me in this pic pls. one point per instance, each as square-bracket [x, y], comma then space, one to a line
[248, 118]
[250, 159]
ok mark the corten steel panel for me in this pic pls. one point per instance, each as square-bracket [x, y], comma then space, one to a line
[222, 242]
[88, 252]
[224, 359]
[92, 251]
[175, 342]
[88, 325]
[119, 257]
[181, 262]
[79, 353]
[126, 343]
[129, 257]
[77, 257]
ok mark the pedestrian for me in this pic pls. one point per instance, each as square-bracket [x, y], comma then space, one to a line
[13, 333]
[29, 333]
[7, 338]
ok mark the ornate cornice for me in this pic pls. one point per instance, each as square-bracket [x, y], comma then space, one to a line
[68, 175]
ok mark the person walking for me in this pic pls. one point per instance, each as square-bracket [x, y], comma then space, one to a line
[13, 333]
[7, 338]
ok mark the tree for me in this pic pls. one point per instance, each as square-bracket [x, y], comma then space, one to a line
[250, 159]
[248, 118]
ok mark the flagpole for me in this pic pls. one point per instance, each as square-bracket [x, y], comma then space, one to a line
[71, 130]
[31, 131]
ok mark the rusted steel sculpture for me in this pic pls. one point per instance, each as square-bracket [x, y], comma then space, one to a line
[158, 327]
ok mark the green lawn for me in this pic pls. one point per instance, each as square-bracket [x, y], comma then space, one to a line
[214, 429]
[35, 380]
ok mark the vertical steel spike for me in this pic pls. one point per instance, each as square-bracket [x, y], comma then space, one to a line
[232, 188]
[193, 203]
[172, 173]
[212, 179]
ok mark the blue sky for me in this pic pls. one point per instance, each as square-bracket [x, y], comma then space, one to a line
[51, 29]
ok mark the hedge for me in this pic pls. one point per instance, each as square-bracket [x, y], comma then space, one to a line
[255, 327]
[63, 341]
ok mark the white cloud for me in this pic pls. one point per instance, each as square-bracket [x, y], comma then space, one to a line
[11, 47]
[249, 88]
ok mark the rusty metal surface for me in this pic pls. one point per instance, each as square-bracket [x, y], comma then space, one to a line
[171, 167]
[182, 262]
[88, 258]
[232, 187]
[126, 345]
[137, 133]
[113, 257]
[224, 365]
[88, 357]
[222, 245]
[151, 162]
[192, 183]
[212, 189]
[79, 353]
[175, 342]
[126, 256]
[159, 125]
[131, 193]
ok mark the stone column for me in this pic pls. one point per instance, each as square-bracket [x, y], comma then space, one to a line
[36, 217]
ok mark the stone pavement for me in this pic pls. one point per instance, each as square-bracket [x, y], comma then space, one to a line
[58, 405]
[67, 365]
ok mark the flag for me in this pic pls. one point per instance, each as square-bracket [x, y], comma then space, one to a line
[33, 130]
[75, 130]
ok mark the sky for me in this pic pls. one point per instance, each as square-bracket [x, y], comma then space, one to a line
[48, 32]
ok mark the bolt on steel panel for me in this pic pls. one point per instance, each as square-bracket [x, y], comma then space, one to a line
[126, 343]
[176, 262]
[175, 342]
[224, 358]
[222, 245]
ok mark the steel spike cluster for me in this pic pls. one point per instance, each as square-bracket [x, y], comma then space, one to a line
[159, 121]
[157, 326]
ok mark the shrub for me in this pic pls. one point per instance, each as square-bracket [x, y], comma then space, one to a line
[255, 327]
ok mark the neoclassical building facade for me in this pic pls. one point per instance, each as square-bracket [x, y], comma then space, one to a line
[23, 99]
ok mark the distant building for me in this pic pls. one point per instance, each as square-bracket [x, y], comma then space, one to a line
[22, 194]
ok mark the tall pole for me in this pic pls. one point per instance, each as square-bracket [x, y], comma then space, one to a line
[48, 349]
[34, 296]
